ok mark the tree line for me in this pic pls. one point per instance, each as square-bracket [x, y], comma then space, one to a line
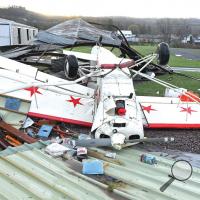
[165, 27]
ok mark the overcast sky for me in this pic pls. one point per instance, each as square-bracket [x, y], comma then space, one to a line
[131, 8]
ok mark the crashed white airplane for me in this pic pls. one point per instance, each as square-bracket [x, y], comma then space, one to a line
[103, 97]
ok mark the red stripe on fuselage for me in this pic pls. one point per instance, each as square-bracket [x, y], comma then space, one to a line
[72, 121]
[175, 126]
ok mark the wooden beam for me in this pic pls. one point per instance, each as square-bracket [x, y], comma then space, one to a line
[16, 133]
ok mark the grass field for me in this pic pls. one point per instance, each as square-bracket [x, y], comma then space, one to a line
[174, 60]
[145, 50]
[149, 88]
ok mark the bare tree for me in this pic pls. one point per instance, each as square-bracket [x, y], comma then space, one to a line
[165, 28]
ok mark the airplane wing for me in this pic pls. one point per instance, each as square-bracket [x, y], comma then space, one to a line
[67, 103]
[169, 112]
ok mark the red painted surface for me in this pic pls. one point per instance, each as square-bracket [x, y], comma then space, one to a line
[121, 111]
[189, 97]
[88, 124]
[72, 121]
[176, 126]
[75, 101]
[188, 110]
[33, 90]
[148, 108]
[120, 65]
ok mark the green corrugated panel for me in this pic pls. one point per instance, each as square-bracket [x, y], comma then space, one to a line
[32, 174]
[12, 150]
[145, 180]
[27, 172]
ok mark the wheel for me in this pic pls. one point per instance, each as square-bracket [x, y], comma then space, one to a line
[71, 67]
[163, 53]
[57, 64]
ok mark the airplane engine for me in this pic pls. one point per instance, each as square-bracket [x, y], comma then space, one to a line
[124, 119]
[130, 129]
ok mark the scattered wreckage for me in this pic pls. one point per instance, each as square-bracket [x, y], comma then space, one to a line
[97, 90]
[94, 90]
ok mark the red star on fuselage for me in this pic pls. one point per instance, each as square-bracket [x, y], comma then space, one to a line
[148, 108]
[33, 90]
[188, 110]
[75, 101]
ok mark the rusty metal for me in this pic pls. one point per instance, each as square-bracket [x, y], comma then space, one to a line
[56, 128]
[61, 132]
[22, 137]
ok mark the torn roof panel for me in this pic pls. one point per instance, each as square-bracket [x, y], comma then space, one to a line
[77, 31]
[27, 172]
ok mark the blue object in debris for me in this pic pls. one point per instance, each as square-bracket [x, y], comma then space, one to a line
[149, 159]
[12, 103]
[93, 167]
[45, 131]
[30, 132]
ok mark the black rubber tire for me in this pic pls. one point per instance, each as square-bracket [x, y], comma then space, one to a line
[163, 53]
[71, 67]
[57, 64]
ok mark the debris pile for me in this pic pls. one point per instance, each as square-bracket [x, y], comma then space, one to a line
[31, 131]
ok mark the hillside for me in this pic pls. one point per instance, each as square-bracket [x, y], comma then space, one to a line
[21, 15]
[179, 27]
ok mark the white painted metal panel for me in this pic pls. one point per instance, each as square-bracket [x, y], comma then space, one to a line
[15, 66]
[81, 90]
[4, 34]
[104, 56]
[117, 83]
[46, 102]
[165, 112]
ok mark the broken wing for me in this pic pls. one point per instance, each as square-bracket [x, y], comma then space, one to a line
[67, 103]
[169, 112]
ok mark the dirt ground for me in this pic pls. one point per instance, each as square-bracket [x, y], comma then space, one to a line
[185, 140]
[186, 145]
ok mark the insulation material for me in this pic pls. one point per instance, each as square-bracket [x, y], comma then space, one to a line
[56, 149]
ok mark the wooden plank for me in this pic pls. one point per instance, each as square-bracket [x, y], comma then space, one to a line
[16, 133]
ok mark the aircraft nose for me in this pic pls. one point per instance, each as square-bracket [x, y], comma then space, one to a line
[117, 140]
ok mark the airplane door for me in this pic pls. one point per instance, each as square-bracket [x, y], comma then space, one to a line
[4, 34]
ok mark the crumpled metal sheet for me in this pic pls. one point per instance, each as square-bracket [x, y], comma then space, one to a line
[49, 38]
[77, 31]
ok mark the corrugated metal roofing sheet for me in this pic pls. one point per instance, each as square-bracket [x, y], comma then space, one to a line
[26, 172]
[77, 31]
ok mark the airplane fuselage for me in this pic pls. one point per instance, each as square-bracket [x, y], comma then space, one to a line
[117, 110]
